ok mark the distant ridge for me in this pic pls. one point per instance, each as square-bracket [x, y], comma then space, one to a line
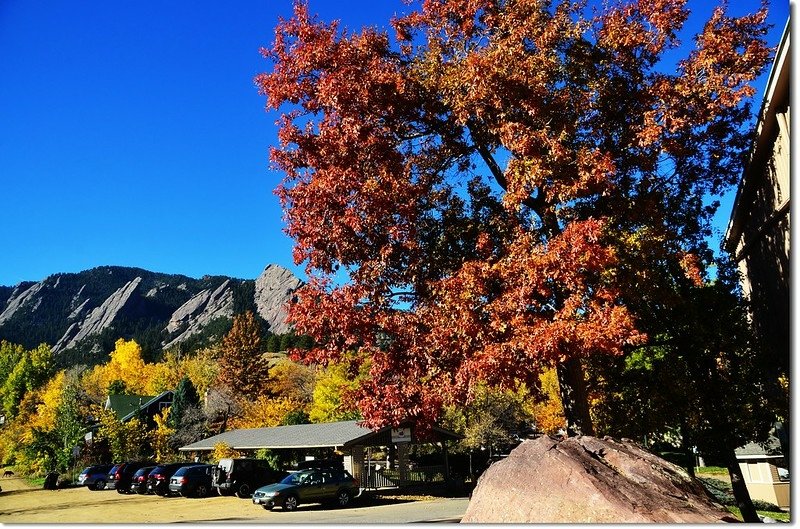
[81, 314]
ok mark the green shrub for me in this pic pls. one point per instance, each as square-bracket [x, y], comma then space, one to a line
[721, 490]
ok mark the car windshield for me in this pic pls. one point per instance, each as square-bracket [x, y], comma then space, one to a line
[295, 478]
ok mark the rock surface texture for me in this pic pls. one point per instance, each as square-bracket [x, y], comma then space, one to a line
[588, 480]
[274, 287]
[100, 318]
[200, 310]
[80, 314]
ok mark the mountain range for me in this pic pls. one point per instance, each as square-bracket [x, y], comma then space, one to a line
[81, 315]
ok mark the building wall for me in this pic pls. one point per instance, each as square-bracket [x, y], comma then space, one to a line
[763, 483]
[758, 233]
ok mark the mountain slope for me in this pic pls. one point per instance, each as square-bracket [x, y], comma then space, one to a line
[81, 314]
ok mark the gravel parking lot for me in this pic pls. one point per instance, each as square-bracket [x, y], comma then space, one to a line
[20, 503]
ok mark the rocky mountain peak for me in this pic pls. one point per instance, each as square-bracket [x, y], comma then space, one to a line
[274, 287]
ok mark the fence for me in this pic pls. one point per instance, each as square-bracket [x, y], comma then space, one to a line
[375, 476]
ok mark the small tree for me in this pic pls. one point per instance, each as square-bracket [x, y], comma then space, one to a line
[126, 440]
[160, 436]
[184, 397]
[493, 419]
[242, 367]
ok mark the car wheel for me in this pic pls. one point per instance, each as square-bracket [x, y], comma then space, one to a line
[290, 503]
[266, 507]
[99, 484]
[244, 491]
[343, 498]
[201, 491]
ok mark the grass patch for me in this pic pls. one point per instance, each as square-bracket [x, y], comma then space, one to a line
[780, 516]
[35, 482]
[710, 470]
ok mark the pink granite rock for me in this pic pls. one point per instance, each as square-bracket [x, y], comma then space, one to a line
[589, 480]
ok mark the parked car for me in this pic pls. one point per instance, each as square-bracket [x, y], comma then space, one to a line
[241, 476]
[120, 476]
[158, 479]
[193, 480]
[139, 480]
[309, 486]
[94, 477]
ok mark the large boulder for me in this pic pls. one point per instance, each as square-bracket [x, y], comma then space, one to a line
[588, 480]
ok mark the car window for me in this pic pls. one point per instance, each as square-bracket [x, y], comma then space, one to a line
[295, 478]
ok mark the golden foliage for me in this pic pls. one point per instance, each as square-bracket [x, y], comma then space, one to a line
[264, 412]
[222, 451]
[159, 438]
[125, 439]
[293, 381]
[330, 391]
[549, 414]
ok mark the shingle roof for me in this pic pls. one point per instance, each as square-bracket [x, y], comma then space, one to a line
[294, 436]
[771, 449]
[321, 435]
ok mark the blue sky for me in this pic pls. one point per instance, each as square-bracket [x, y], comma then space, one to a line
[131, 133]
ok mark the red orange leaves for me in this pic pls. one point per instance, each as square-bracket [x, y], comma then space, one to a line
[472, 206]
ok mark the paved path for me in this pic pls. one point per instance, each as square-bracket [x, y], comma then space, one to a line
[442, 510]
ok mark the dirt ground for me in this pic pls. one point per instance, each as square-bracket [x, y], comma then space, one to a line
[21, 503]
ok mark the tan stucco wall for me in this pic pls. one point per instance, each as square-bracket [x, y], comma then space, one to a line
[762, 483]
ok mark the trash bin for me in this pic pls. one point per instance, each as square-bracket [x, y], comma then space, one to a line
[51, 481]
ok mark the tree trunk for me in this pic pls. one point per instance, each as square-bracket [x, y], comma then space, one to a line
[574, 399]
[740, 492]
[686, 447]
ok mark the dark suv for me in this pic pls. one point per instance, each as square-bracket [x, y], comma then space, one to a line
[119, 477]
[242, 476]
[192, 481]
[158, 480]
[139, 480]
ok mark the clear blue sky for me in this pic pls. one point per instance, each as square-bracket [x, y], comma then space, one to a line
[131, 133]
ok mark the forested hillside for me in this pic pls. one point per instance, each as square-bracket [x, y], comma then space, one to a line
[81, 315]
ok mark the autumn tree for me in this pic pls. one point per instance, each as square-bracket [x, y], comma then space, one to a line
[292, 380]
[159, 437]
[26, 370]
[264, 412]
[242, 367]
[481, 198]
[333, 394]
[125, 371]
[126, 440]
[494, 419]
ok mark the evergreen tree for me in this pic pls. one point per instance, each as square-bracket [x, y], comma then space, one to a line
[185, 396]
[273, 343]
[287, 341]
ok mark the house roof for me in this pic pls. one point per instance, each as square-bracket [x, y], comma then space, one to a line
[322, 435]
[126, 406]
[771, 449]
